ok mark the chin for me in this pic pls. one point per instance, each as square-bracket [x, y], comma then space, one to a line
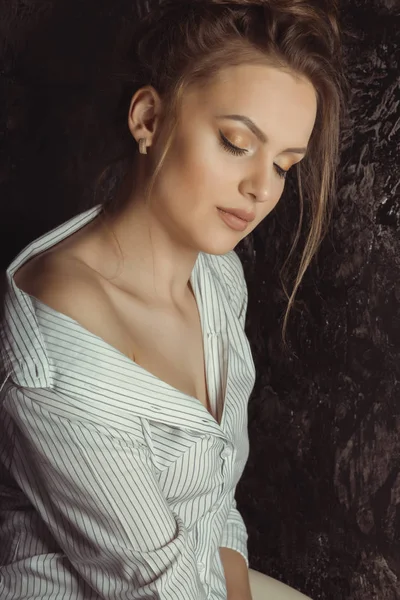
[221, 246]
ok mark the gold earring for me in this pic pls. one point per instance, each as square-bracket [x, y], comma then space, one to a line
[142, 146]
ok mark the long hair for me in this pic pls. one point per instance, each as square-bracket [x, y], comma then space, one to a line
[180, 43]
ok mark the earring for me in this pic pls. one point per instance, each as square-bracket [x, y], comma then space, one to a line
[142, 146]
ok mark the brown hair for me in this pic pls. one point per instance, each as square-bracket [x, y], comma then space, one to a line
[180, 43]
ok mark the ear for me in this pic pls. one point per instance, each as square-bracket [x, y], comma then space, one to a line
[145, 114]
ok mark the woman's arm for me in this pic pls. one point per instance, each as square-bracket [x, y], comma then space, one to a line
[236, 574]
[95, 489]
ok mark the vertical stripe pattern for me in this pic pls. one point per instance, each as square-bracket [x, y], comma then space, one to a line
[114, 484]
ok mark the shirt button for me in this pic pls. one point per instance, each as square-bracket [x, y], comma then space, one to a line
[201, 566]
[226, 452]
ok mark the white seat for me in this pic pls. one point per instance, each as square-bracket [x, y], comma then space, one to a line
[266, 588]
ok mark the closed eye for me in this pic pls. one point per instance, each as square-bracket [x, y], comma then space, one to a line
[281, 172]
[227, 145]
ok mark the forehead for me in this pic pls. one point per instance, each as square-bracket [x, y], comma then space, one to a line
[268, 95]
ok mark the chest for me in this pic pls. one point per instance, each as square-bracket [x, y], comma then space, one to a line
[167, 345]
[171, 348]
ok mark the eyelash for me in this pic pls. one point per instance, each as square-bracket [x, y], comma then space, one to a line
[227, 145]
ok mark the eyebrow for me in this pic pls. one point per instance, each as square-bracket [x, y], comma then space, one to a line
[257, 131]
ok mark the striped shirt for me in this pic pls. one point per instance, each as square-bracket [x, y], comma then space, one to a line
[115, 484]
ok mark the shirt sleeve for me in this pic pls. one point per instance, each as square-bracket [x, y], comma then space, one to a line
[234, 535]
[97, 492]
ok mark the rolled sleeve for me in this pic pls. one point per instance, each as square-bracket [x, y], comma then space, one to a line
[234, 535]
[99, 496]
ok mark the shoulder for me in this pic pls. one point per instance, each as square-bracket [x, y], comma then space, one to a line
[69, 286]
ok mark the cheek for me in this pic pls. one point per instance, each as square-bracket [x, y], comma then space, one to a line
[199, 170]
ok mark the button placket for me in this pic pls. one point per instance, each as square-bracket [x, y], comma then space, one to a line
[227, 452]
[201, 566]
[227, 464]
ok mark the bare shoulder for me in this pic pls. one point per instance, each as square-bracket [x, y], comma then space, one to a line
[69, 286]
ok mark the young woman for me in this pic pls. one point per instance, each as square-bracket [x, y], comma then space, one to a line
[124, 406]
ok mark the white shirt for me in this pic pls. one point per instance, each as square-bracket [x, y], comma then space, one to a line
[117, 485]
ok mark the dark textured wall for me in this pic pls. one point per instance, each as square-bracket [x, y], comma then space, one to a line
[321, 491]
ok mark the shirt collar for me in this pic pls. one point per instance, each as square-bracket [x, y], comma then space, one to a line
[26, 357]
[96, 373]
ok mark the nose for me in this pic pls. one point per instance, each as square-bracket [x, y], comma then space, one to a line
[259, 184]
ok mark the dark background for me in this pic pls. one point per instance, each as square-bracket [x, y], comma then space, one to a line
[321, 491]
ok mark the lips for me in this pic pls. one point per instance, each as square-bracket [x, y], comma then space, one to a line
[241, 214]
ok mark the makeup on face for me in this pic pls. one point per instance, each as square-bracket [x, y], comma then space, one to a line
[232, 221]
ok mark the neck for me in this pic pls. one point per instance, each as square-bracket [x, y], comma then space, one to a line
[140, 254]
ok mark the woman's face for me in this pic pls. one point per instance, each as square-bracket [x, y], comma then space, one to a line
[218, 161]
